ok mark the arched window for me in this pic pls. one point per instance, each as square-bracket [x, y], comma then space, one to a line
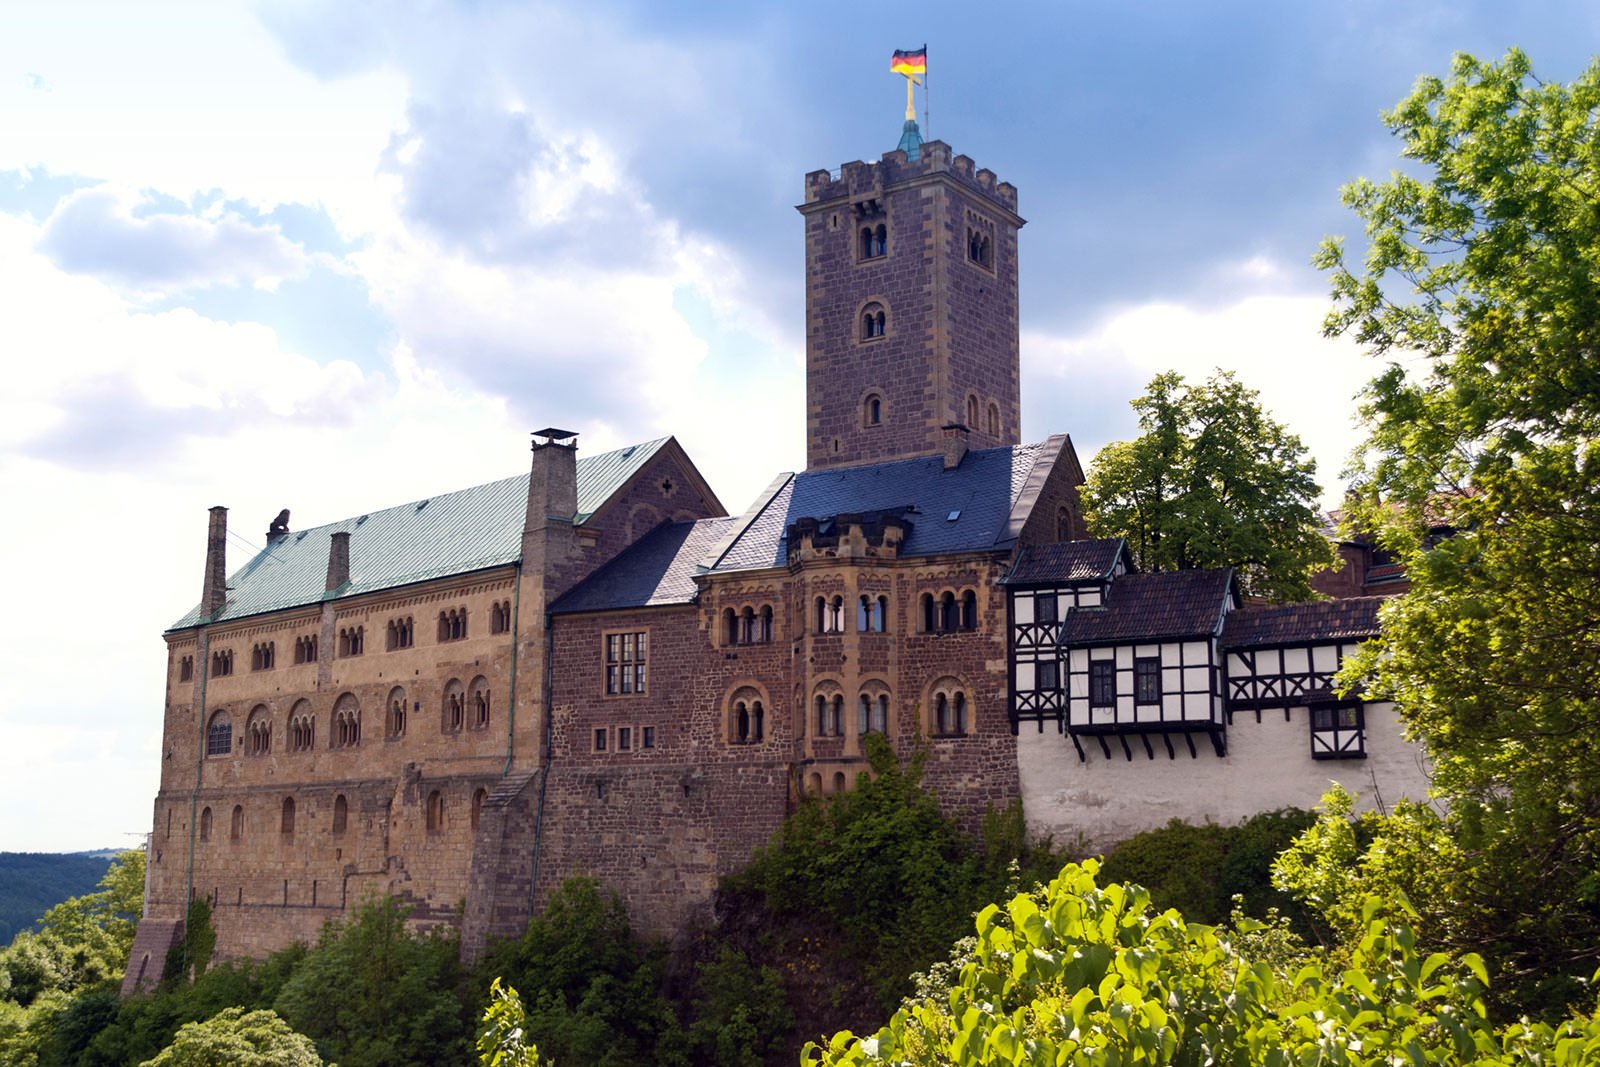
[730, 627]
[866, 242]
[814, 785]
[822, 716]
[949, 612]
[836, 718]
[864, 716]
[397, 712]
[960, 713]
[759, 715]
[880, 714]
[480, 703]
[286, 823]
[302, 728]
[880, 614]
[951, 709]
[872, 410]
[455, 706]
[747, 627]
[874, 321]
[346, 732]
[972, 412]
[741, 715]
[747, 717]
[341, 813]
[941, 713]
[1063, 524]
[930, 617]
[836, 615]
[863, 613]
[236, 824]
[479, 795]
[258, 732]
[838, 782]
[880, 240]
[969, 610]
[219, 735]
[766, 624]
[435, 812]
[822, 615]
[994, 419]
[205, 823]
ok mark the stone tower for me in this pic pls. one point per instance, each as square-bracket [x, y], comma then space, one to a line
[911, 306]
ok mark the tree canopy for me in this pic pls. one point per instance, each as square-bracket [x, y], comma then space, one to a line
[1478, 286]
[1211, 481]
[236, 1038]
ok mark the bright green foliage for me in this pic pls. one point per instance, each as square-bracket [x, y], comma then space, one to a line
[235, 1038]
[1201, 869]
[1211, 481]
[1080, 974]
[81, 941]
[1479, 283]
[371, 994]
[502, 1038]
[592, 992]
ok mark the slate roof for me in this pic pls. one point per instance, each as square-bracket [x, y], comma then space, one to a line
[1065, 562]
[453, 533]
[982, 493]
[1148, 607]
[656, 570]
[1318, 620]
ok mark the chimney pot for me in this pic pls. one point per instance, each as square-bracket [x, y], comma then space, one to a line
[338, 560]
[955, 445]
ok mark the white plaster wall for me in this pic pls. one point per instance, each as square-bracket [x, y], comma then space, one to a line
[1268, 766]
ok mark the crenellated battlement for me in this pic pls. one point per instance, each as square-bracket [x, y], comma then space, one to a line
[858, 178]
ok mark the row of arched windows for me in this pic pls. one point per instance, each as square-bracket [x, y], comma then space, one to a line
[500, 617]
[352, 640]
[263, 656]
[222, 663]
[305, 649]
[402, 633]
[463, 707]
[453, 624]
[993, 426]
[434, 815]
[947, 614]
[747, 627]
[948, 716]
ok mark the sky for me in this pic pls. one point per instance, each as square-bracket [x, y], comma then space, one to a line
[336, 256]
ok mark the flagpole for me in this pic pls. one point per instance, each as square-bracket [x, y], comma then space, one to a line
[927, 113]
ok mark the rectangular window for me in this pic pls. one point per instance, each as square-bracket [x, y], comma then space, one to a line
[600, 740]
[626, 656]
[1338, 732]
[1044, 608]
[624, 739]
[647, 738]
[1048, 675]
[1147, 680]
[1102, 683]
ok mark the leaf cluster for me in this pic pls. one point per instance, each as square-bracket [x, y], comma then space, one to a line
[1211, 481]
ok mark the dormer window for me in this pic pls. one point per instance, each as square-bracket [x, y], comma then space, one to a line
[874, 321]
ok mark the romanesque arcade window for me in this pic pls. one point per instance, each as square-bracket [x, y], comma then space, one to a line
[949, 613]
[830, 713]
[258, 732]
[453, 624]
[402, 633]
[186, 669]
[352, 640]
[872, 712]
[830, 614]
[219, 735]
[626, 655]
[397, 712]
[951, 709]
[305, 649]
[302, 727]
[872, 613]
[263, 656]
[874, 322]
[747, 717]
[479, 703]
[980, 248]
[346, 731]
[872, 241]
[222, 663]
[747, 627]
[455, 706]
[500, 617]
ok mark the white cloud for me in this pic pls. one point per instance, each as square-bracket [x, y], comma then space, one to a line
[1273, 342]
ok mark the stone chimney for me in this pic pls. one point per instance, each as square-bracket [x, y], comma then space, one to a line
[955, 445]
[549, 543]
[338, 560]
[214, 593]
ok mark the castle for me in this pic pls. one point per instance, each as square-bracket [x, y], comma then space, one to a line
[591, 667]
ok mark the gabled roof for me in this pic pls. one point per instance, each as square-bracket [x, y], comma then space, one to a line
[978, 506]
[1065, 562]
[453, 533]
[656, 570]
[1153, 607]
[1350, 618]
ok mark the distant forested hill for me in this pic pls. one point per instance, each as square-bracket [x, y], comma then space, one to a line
[31, 883]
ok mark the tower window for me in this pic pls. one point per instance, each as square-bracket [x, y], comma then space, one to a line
[874, 241]
[872, 410]
[980, 248]
[994, 419]
[874, 321]
[972, 412]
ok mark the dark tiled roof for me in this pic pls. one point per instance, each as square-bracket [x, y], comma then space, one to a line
[982, 493]
[452, 533]
[1065, 562]
[1316, 620]
[657, 569]
[1144, 607]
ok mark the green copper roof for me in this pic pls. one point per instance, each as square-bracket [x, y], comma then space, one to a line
[453, 533]
[911, 141]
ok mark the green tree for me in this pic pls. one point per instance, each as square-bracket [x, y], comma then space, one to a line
[236, 1038]
[1211, 481]
[1478, 288]
[502, 1038]
[1078, 973]
[372, 993]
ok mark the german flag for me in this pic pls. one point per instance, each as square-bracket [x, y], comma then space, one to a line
[915, 62]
